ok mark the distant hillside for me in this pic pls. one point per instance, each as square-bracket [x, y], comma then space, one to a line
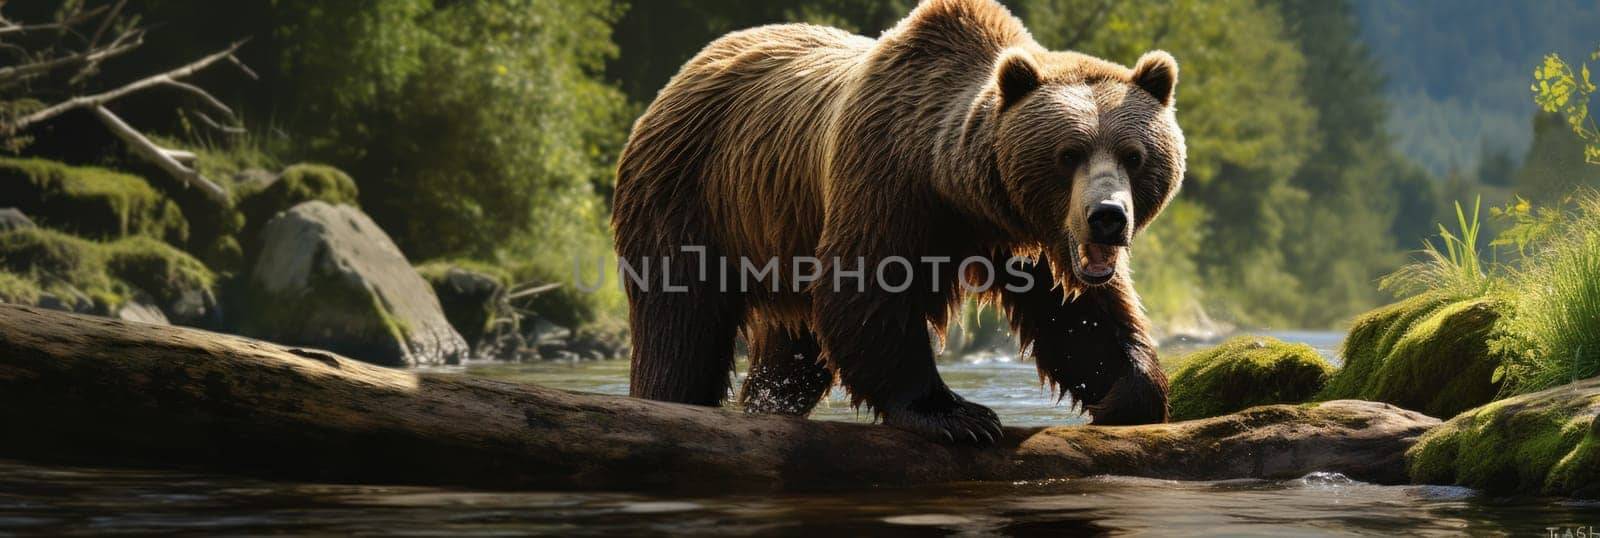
[1458, 71]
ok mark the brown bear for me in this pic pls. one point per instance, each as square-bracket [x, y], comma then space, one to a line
[833, 197]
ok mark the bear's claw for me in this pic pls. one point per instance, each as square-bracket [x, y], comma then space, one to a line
[956, 421]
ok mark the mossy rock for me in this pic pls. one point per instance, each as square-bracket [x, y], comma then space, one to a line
[259, 200]
[91, 202]
[1427, 353]
[1244, 372]
[327, 276]
[468, 292]
[1544, 443]
[71, 268]
[180, 285]
[18, 289]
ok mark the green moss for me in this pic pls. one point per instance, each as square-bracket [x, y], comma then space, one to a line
[63, 265]
[18, 289]
[89, 201]
[1542, 443]
[1442, 365]
[106, 273]
[164, 272]
[1370, 340]
[1427, 353]
[257, 203]
[436, 270]
[297, 184]
[1246, 371]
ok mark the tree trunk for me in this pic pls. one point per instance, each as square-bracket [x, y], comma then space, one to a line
[99, 391]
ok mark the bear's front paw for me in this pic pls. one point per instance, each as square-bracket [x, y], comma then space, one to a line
[1136, 398]
[944, 416]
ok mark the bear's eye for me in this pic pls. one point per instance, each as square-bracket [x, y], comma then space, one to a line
[1073, 157]
[1132, 160]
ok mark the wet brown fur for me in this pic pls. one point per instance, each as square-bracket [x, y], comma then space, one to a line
[799, 140]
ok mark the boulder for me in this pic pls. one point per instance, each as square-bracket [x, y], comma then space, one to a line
[1543, 443]
[260, 196]
[12, 218]
[1244, 372]
[1428, 353]
[469, 293]
[328, 277]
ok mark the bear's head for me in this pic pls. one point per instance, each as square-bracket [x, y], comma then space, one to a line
[1087, 151]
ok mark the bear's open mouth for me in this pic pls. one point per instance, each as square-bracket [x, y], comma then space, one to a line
[1096, 263]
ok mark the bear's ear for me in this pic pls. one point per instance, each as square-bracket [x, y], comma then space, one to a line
[1157, 73]
[1016, 75]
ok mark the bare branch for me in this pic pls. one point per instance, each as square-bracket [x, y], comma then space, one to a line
[186, 157]
[63, 24]
[93, 66]
[106, 22]
[533, 291]
[214, 124]
[242, 67]
[99, 99]
[161, 157]
[206, 98]
[9, 75]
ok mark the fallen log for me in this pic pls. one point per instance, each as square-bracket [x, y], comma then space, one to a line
[101, 391]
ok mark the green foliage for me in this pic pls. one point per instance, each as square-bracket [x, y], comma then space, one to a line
[1539, 444]
[1169, 281]
[1558, 88]
[1246, 371]
[1553, 338]
[464, 122]
[90, 201]
[1457, 271]
[1526, 224]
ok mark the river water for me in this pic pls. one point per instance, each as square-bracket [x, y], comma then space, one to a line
[56, 500]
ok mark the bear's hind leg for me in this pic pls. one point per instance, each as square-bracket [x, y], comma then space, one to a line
[788, 374]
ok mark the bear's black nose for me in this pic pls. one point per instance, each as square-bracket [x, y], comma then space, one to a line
[1108, 223]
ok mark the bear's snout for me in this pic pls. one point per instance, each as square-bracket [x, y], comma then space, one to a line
[1108, 224]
